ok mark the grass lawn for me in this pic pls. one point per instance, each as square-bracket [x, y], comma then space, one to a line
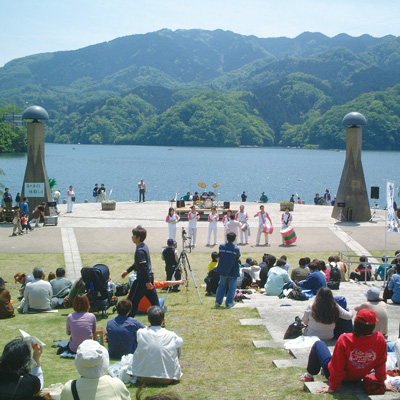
[218, 359]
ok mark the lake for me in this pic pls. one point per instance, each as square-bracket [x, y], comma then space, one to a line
[279, 172]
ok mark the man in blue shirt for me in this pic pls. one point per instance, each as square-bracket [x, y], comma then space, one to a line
[228, 269]
[25, 206]
[121, 331]
[315, 280]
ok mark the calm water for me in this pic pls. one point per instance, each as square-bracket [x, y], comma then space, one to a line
[277, 171]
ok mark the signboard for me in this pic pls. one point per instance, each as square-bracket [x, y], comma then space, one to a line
[34, 189]
[394, 223]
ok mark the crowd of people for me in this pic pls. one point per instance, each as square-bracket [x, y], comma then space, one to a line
[156, 350]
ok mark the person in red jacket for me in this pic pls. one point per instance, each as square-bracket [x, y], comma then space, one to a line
[355, 355]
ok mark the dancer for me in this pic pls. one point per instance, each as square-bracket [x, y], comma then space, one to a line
[286, 221]
[243, 217]
[213, 219]
[262, 220]
[193, 217]
[172, 219]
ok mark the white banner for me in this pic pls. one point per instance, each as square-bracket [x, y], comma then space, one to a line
[394, 224]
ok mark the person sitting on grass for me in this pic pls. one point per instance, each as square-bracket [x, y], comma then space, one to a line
[6, 304]
[60, 285]
[92, 362]
[278, 279]
[156, 359]
[145, 303]
[212, 277]
[38, 295]
[355, 355]
[21, 376]
[121, 331]
[81, 324]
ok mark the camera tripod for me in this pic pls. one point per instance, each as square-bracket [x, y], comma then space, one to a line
[182, 265]
[376, 207]
[341, 216]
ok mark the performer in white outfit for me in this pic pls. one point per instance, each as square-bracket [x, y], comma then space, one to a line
[70, 194]
[243, 217]
[262, 220]
[286, 221]
[225, 221]
[213, 219]
[172, 219]
[193, 217]
[231, 225]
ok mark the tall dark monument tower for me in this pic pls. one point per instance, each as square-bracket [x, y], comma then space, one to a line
[352, 202]
[36, 182]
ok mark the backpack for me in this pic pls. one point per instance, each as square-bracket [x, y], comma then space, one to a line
[122, 289]
[36, 213]
[246, 280]
[335, 273]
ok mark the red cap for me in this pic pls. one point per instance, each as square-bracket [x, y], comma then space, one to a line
[367, 317]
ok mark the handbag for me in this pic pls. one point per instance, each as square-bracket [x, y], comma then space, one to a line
[295, 329]
[296, 294]
[73, 198]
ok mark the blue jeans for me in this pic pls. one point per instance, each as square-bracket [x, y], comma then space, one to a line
[319, 357]
[226, 282]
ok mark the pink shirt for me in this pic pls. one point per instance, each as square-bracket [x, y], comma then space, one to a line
[80, 326]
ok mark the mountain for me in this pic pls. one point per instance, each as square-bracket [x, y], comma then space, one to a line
[113, 92]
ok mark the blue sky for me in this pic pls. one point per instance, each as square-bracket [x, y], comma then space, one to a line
[38, 26]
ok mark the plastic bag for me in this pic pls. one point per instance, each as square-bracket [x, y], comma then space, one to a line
[121, 369]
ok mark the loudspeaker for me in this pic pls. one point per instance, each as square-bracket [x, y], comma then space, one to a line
[227, 204]
[374, 192]
[180, 204]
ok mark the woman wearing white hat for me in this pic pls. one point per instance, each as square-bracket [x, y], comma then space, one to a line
[92, 362]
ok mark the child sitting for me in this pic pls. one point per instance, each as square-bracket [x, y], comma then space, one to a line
[212, 277]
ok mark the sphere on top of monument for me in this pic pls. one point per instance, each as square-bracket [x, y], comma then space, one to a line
[36, 113]
[354, 119]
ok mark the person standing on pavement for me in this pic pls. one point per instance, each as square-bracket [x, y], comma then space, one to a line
[243, 217]
[102, 192]
[142, 190]
[262, 221]
[228, 268]
[193, 217]
[244, 197]
[96, 192]
[25, 206]
[143, 284]
[7, 198]
[70, 199]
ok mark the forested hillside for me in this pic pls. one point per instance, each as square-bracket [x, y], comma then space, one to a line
[211, 88]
